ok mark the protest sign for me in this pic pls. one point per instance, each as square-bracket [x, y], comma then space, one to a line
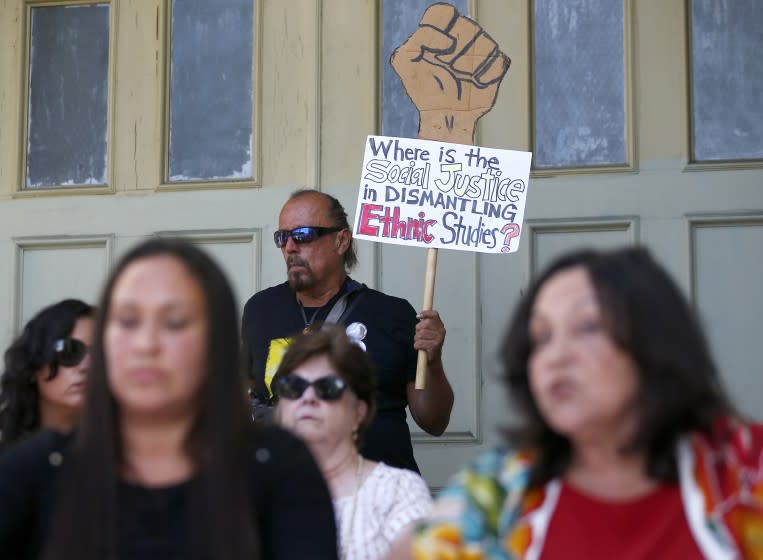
[451, 69]
[441, 195]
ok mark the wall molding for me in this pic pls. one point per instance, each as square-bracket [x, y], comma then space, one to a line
[24, 244]
[233, 236]
[713, 220]
[615, 224]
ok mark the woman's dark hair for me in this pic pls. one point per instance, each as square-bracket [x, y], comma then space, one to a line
[351, 363]
[221, 521]
[338, 215]
[25, 357]
[649, 319]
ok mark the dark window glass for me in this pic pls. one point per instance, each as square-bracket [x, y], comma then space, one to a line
[68, 96]
[727, 79]
[580, 118]
[210, 136]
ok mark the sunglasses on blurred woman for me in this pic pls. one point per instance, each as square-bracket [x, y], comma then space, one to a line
[327, 388]
[70, 351]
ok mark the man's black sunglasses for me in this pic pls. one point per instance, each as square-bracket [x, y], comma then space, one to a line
[70, 351]
[302, 234]
[328, 388]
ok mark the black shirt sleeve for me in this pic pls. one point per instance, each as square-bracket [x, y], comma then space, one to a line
[252, 347]
[295, 509]
[28, 471]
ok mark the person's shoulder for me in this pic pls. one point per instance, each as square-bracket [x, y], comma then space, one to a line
[279, 290]
[41, 442]
[38, 452]
[391, 314]
[499, 474]
[392, 304]
[731, 434]
[377, 295]
[278, 459]
[388, 471]
[403, 478]
[506, 466]
[269, 295]
[400, 496]
[272, 434]
[273, 442]
[497, 477]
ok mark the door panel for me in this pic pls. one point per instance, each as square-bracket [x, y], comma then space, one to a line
[54, 268]
[727, 265]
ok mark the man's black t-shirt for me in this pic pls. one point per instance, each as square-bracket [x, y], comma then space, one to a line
[273, 316]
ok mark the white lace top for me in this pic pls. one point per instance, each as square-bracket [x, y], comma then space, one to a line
[389, 499]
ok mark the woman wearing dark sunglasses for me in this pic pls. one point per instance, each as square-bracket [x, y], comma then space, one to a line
[43, 385]
[165, 462]
[326, 390]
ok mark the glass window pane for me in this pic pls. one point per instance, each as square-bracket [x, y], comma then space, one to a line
[727, 79]
[68, 96]
[580, 116]
[400, 19]
[210, 134]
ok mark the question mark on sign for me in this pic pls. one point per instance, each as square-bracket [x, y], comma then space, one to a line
[511, 230]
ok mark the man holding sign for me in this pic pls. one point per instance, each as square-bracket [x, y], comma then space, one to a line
[431, 194]
[317, 245]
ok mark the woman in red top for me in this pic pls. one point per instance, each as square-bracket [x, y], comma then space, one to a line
[628, 449]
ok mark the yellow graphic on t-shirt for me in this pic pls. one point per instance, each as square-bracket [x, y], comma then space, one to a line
[278, 347]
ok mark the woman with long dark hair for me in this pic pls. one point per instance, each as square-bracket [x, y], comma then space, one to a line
[43, 385]
[165, 462]
[628, 447]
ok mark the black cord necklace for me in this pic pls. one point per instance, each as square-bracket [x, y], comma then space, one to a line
[308, 324]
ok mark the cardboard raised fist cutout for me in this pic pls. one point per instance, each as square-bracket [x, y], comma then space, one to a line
[451, 70]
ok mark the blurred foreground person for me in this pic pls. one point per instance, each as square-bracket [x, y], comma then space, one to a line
[43, 385]
[629, 448]
[326, 392]
[165, 462]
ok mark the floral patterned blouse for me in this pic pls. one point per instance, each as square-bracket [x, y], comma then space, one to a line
[489, 511]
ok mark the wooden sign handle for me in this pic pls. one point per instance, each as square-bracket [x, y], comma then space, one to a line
[429, 276]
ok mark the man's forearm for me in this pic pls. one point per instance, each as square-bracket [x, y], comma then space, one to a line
[431, 407]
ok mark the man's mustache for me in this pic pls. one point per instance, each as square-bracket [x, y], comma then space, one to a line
[295, 260]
